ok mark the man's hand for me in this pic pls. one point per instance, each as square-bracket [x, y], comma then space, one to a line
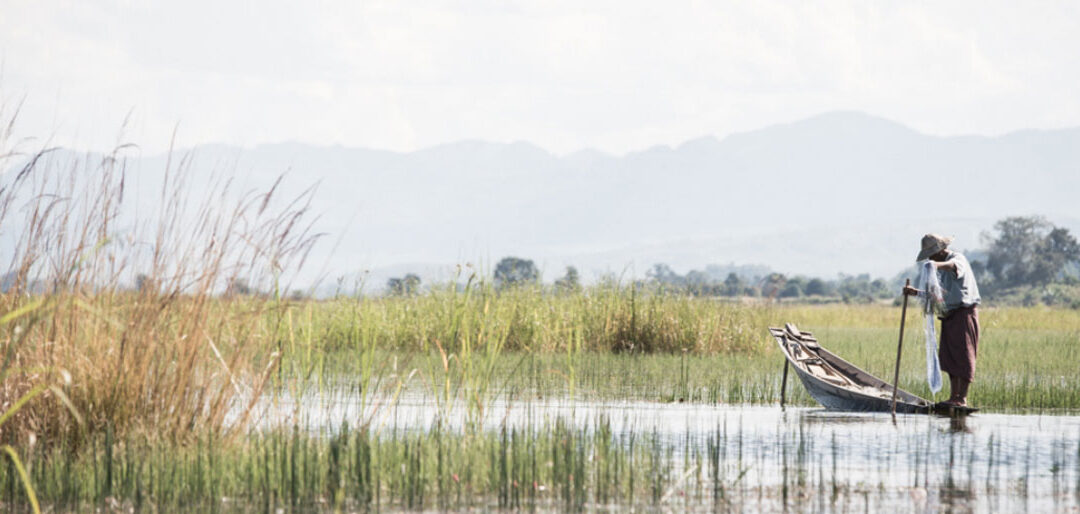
[910, 291]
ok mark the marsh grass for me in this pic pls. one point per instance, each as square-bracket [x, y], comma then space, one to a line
[555, 464]
[129, 308]
[604, 318]
[1026, 358]
[564, 464]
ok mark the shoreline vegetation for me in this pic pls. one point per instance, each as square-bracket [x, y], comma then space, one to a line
[141, 397]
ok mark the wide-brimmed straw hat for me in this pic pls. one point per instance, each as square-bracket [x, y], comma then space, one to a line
[931, 244]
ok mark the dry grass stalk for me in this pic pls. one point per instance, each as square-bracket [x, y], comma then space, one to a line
[138, 357]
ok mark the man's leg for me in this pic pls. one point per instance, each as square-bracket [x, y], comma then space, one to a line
[961, 391]
[957, 350]
[958, 388]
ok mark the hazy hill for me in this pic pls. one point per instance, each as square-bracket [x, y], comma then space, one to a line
[839, 192]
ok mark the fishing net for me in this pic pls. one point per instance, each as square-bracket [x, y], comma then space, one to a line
[933, 298]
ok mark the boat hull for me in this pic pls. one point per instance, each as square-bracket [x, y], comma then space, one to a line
[835, 398]
[837, 384]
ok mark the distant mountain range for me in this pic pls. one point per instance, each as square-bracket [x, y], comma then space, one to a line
[842, 192]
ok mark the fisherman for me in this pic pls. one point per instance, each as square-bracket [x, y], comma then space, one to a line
[960, 324]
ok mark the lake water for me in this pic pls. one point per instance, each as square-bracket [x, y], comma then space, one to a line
[802, 459]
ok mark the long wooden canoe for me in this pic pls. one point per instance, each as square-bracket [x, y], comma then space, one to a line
[838, 384]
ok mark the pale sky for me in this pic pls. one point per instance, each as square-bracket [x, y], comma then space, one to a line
[617, 76]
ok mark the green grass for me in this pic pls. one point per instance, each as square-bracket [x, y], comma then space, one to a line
[604, 318]
[340, 346]
[1026, 361]
[553, 464]
[557, 464]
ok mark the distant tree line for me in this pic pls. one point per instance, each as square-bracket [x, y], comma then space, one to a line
[770, 285]
[513, 272]
[509, 272]
[516, 271]
[1024, 259]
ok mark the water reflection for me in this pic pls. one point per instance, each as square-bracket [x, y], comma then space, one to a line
[813, 459]
[958, 424]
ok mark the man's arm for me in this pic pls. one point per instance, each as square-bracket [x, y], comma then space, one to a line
[947, 265]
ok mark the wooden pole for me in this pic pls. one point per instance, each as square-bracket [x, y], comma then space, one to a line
[783, 384]
[899, 348]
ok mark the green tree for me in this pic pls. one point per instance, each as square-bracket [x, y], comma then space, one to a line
[733, 285]
[407, 286]
[146, 284]
[792, 289]
[511, 271]
[238, 286]
[773, 284]
[1029, 250]
[857, 287]
[698, 283]
[662, 274]
[570, 282]
[1056, 251]
[816, 287]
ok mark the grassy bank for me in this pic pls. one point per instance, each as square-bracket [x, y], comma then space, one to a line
[524, 342]
[454, 348]
[169, 364]
[604, 318]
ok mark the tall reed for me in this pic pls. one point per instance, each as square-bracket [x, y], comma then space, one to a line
[131, 312]
[613, 317]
